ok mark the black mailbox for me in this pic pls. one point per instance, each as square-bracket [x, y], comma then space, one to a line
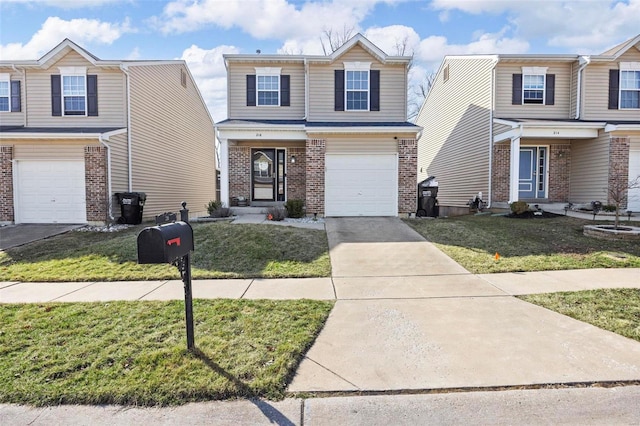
[165, 243]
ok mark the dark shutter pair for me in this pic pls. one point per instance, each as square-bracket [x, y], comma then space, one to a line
[374, 90]
[16, 103]
[549, 88]
[92, 95]
[285, 90]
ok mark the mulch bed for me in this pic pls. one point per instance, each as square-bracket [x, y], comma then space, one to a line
[533, 215]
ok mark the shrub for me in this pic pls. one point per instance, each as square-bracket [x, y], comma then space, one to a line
[519, 207]
[295, 208]
[213, 206]
[609, 208]
[221, 212]
[276, 213]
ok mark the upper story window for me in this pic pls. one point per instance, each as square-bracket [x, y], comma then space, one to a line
[533, 86]
[630, 85]
[5, 92]
[268, 86]
[357, 85]
[533, 89]
[74, 93]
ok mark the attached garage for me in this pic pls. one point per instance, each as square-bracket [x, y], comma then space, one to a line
[50, 191]
[361, 184]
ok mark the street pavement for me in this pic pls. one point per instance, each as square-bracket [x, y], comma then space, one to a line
[413, 338]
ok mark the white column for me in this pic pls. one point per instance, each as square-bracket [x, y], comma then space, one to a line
[224, 172]
[514, 170]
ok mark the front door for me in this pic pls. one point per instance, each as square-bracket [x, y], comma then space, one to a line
[268, 174]
[532, 181]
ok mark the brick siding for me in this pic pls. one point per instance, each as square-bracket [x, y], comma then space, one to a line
[618, 169]
[6, 184]
[296, 174]
[95, 169]
[240, 172]
[407, 175]
[500, 173]
[559, 173]
[314, 184]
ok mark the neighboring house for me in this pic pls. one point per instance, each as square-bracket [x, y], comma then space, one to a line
[75, 130]
[330, 130]
[537, 128]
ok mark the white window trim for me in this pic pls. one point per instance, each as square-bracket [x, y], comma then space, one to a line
[357, 66]
[7, 77]
[535, 71]
[267, 72]
[626, 66]
[74, 72]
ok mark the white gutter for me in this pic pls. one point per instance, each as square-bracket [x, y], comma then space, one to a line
[584, 61]
[491, 111]
[125, 70]
[103, 140]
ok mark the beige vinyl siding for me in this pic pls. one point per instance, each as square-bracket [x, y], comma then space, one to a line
[112, 111]
[119, 163]
[361, 144]
[8, 118]
[393, 90]
[172, 140]
[50, 150]
[504, 88]
[237, 92]
[455, 142]
[589, 169]
[596, 100]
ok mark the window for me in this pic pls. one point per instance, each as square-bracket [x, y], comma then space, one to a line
[533, 89]
[74, 94]
[629, 89]
[357, 90]
[268, 90]
[5, 95]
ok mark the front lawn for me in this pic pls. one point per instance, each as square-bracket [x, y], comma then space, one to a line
[524, 244]
[135, 352]
[616, 310]
[222, 250]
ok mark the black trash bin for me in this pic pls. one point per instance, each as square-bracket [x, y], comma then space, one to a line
[131, 206]
[427, 198]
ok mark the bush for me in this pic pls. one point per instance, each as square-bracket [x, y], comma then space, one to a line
[295, 208]
[213, 206]
[519, 207]
[221, 212]
[276, 213]
[609, 208]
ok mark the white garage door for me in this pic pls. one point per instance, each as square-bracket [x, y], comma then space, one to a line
[634, 172]
[361, 185]
[50, 192]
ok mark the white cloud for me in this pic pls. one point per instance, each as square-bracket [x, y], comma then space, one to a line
[394, 39]
[54, 30]
[207, 67]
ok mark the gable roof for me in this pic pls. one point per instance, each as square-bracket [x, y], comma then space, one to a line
[617, 51]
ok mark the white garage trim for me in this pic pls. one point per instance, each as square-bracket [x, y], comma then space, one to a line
[633, 202]
[361, 184]
[49, 191]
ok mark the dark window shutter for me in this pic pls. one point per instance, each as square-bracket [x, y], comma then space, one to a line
[614, 87]
[251, 90]
[284, 90]
[516, 92]
[56, 96]
[92, 95]
[550, 89]
[15, 96]
[339, 90]
[374, 88]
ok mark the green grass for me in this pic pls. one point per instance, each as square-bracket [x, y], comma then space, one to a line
[135, 352]
[616, 310]
[222, 250]
[524, 244]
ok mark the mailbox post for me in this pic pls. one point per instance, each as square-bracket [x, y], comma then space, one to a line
[172, 243]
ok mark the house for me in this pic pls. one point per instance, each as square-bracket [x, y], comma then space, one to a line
[535, 128]
[75, 130]
[331, 130]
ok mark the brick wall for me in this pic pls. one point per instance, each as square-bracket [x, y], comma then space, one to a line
[559, 172]
[240, 172]
[296, 174]
[500, 173]
[407, 175]
[618, 170]
[314, 184]
[95, 170]
[6, 184]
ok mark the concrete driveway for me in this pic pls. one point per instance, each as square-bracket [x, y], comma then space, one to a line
[17, 235]
[408, 317]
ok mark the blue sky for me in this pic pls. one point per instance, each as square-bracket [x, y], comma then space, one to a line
[200, 31]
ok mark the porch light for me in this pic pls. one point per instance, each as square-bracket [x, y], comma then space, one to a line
[293, 159]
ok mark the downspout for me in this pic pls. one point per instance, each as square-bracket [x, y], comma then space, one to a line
[109, 190]
[125, 70]
[491, 110]
[584, 61]
[306, 89]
